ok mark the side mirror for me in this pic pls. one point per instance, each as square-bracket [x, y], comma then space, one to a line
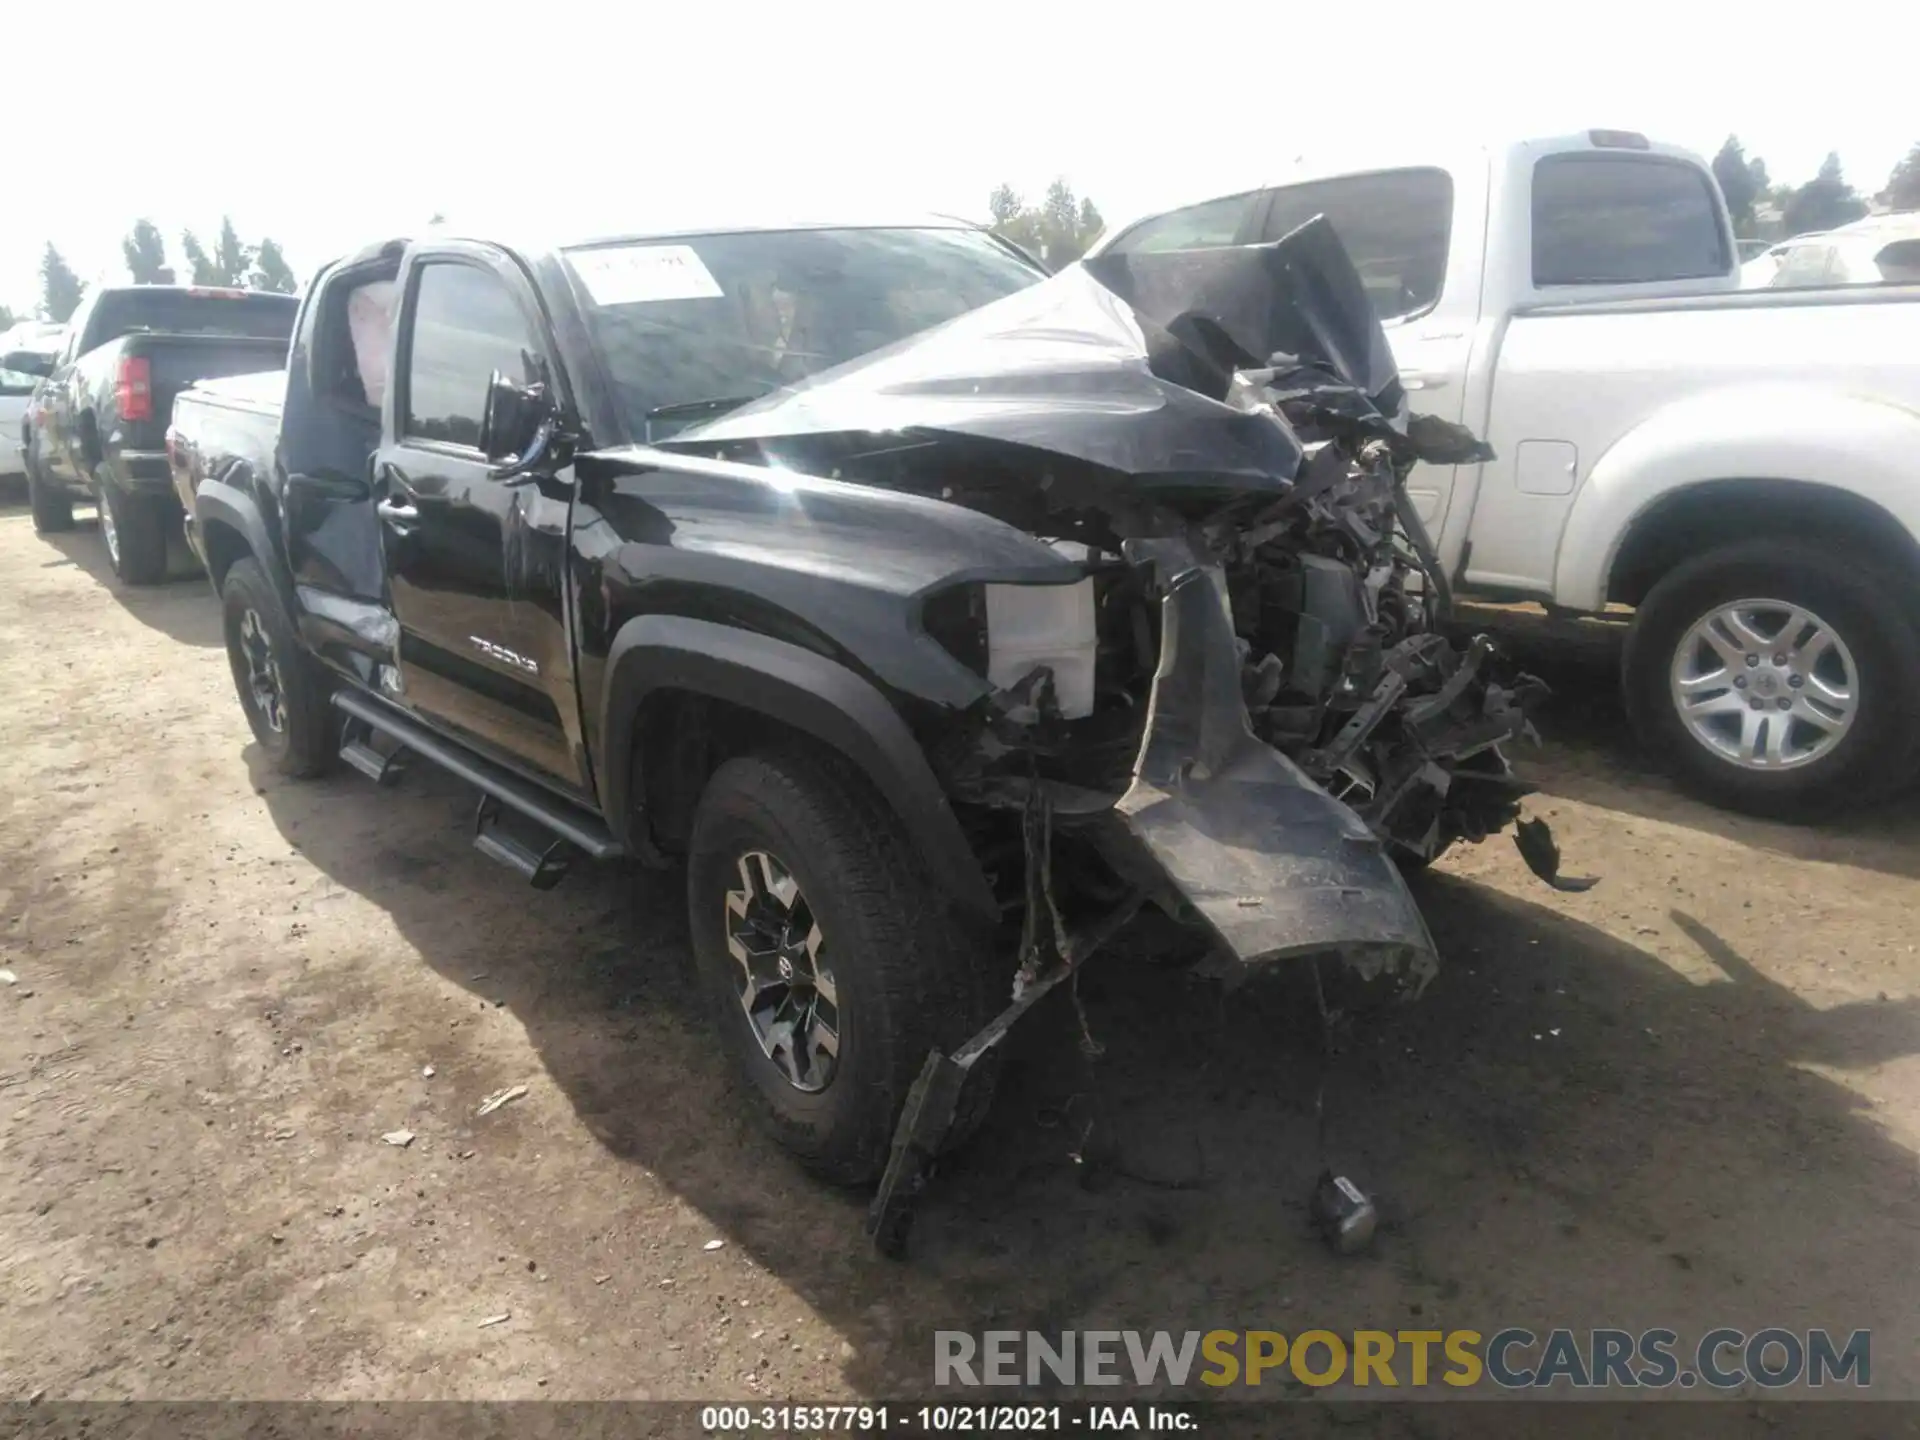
[512, 421]
[28, 362]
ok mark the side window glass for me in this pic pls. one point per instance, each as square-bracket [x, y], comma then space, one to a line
[1395, 224]
[466, 324]
[1215, 222]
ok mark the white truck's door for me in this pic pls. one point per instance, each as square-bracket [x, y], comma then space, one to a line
[1416, 236]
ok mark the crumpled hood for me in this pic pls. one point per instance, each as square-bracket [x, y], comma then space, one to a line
[1120, 364]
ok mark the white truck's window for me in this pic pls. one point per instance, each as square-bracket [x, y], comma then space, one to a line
[1198, 227]
[1395, 225]
[1601, 219]
[466, 325]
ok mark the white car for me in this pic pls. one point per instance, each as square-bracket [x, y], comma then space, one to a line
[1757, 273]
[1880, 250]
[16, 390]
[1742, 468]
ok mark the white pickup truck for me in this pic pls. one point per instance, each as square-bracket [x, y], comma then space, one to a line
[1740, 467]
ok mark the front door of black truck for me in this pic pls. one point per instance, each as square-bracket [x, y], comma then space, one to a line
[464, 548]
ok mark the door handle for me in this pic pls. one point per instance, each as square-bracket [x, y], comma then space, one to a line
[397, 513]
[1422, 380]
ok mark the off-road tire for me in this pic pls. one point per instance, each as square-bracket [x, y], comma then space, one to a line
[304, 744]
[139, 554]
[911, 973]
[51, 507]
[1863, 604]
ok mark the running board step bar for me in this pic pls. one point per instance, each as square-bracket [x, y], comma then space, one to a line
[543, 869]
[575, 829]
[359, 751]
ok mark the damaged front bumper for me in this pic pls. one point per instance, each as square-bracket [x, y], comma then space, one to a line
[1273, 864]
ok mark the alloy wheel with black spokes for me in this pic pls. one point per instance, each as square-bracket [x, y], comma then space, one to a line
[786, 986]
[834, 962]
[264, 685]
[283, 692]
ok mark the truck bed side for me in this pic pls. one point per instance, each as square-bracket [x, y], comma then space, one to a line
[1599, 410]
[219, 448]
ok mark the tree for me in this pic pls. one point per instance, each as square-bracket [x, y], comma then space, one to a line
[1059, 230]
[231, 259]
[202, 269]
[1091, 223]
[146, 254]
[271, 271]
[1903, 186]
[1737, 182]
[60, 288]
[7, 318]
[1823, 202]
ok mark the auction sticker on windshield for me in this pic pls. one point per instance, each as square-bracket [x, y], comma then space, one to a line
[638, 274]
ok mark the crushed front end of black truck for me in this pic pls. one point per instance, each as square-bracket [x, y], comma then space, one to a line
[1267, 720]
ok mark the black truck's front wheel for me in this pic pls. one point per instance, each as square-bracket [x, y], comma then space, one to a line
[281, 690]
[834, 962]
[134, 530]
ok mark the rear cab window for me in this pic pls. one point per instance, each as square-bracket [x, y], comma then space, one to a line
[243, 313]
[1622, 219]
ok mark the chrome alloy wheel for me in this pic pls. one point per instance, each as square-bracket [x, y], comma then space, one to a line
[263, 673]
[109, 532]
[785, 988]
[1764, 684]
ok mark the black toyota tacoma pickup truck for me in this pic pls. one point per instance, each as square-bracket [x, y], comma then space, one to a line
[936, 614]
[99, 416]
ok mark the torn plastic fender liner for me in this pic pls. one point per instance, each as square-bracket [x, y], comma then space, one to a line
[1274, 864]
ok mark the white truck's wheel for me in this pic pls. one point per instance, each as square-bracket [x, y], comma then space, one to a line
[1777, 677]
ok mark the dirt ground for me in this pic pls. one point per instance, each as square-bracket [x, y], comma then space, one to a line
[1689, 1097]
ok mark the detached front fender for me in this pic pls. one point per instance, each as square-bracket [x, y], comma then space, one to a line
[1759, 432]
[797, 687]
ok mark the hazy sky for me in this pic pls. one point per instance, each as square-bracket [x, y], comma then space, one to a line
[326, 125]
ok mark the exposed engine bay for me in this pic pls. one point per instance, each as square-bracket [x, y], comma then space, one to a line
[1237, 690]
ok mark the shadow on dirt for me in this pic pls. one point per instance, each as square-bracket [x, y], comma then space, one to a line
[1561, 1131]
[181, 607]
[1591, 757]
